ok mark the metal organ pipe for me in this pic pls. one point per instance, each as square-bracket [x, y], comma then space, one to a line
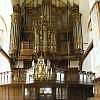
[15, 32]
[77, 31]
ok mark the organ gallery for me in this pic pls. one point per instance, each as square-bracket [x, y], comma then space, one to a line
[46, 48]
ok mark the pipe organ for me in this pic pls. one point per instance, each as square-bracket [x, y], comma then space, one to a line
[15, 31]
[44, 29]
[77, 28]
[50, 28]
[46, 47]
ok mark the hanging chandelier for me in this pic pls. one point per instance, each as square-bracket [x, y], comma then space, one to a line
[41, 70]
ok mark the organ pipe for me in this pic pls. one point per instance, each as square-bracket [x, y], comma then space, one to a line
[43, 23]
[15, 31]
[77, 29]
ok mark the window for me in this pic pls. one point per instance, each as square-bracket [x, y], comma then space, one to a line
[26, 92]
[45, 91]
[60, 77]
[61, 93]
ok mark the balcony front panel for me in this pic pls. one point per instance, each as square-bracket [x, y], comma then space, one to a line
[22, 76]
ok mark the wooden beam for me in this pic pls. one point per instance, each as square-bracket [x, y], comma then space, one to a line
[85, 54]
[4, 53]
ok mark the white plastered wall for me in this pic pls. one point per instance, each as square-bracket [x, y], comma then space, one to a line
[88, 63]
[92, 61]
[96, 40]
[84, 10]
[5, 12]
[4, 63]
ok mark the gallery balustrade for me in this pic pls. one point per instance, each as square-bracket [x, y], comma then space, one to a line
[23, 76]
